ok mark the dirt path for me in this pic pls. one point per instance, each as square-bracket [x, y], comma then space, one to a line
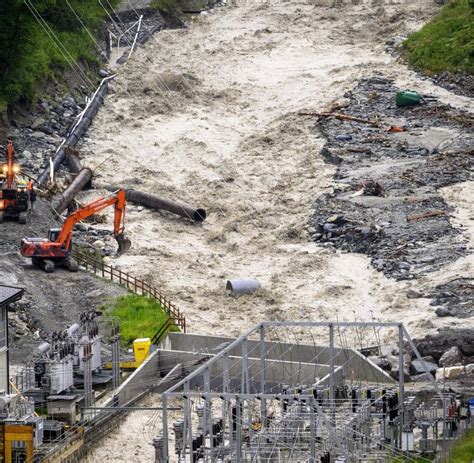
[207, 115]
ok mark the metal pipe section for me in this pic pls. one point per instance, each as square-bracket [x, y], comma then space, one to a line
[77, 131]
[82, 179]
[157, 203]
[244, 286]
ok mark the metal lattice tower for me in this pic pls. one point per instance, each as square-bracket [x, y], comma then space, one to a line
[276, 394]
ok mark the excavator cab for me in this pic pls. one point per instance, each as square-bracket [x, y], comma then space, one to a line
[15, 200]
[53, 234]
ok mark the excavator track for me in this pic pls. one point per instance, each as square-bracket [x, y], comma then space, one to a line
[71, 264]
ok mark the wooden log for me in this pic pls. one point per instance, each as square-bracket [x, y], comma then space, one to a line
[342, 117]
[425, 215]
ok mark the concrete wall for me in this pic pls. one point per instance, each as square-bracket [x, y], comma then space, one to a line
[139, 382]
[277, 372]
[354, 365]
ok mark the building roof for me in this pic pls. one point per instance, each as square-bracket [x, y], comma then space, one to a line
[10, 294]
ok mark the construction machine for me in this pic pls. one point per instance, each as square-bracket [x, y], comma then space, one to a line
[16, 195]
[142, 348]
[47, 253]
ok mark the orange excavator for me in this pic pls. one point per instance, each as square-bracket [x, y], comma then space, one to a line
[47, 253]
[16, 196]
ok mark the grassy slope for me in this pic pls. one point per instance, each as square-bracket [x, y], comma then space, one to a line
[140, 317]
[464, 450]
[447, 42]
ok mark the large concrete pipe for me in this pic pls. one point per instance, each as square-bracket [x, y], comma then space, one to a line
[83, 178]
[244, 286]
[155, 202]
[77, 131]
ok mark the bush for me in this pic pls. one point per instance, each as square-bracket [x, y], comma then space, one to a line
[447, 42]
[463, 452]
[28, 54]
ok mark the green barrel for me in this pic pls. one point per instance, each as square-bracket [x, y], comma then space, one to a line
[407, 98]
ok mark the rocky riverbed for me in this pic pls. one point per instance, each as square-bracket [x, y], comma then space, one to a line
[386, 201]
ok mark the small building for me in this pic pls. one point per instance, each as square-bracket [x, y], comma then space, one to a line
[8, 295]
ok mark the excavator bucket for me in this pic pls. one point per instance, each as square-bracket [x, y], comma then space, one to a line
[123, 244]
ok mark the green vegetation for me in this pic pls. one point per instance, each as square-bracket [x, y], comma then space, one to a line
[464, 450]
[169, 7]
[28, 55]
[174, 8]
[447, 42]
[88, 251]
[140, 317]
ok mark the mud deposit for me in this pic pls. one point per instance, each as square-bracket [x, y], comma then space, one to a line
[51, 301]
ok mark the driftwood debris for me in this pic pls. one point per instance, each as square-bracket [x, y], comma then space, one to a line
[425, 215]
[342, 117]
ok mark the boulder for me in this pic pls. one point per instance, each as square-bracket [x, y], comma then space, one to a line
[423, 378]
[417, 368]
[38, 135]
[37, 123]
[451, 357]
[449, 373]
[98, 244]
[381, 362]
[436, 345]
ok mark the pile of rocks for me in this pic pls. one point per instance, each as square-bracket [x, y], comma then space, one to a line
[37, 136]
[454, 298]
[461, 83]
[385, 202]
[448, 355]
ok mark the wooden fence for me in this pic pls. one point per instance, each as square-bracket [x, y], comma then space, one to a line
[132, 284]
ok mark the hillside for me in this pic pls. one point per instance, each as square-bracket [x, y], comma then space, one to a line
[447, 42]
[41, 38]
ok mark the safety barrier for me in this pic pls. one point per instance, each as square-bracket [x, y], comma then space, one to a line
[132, 284]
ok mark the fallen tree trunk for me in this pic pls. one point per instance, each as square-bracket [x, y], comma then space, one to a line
[342, 117]
[425, 215]
[155, 202]
[83, 178]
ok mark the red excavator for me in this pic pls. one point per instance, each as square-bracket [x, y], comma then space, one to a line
[56, 249]
[16, 196]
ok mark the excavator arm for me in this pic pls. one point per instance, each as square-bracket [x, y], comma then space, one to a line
[117, 200]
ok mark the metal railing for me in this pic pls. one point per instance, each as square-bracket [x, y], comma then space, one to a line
[132, 284]
[162, 331]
